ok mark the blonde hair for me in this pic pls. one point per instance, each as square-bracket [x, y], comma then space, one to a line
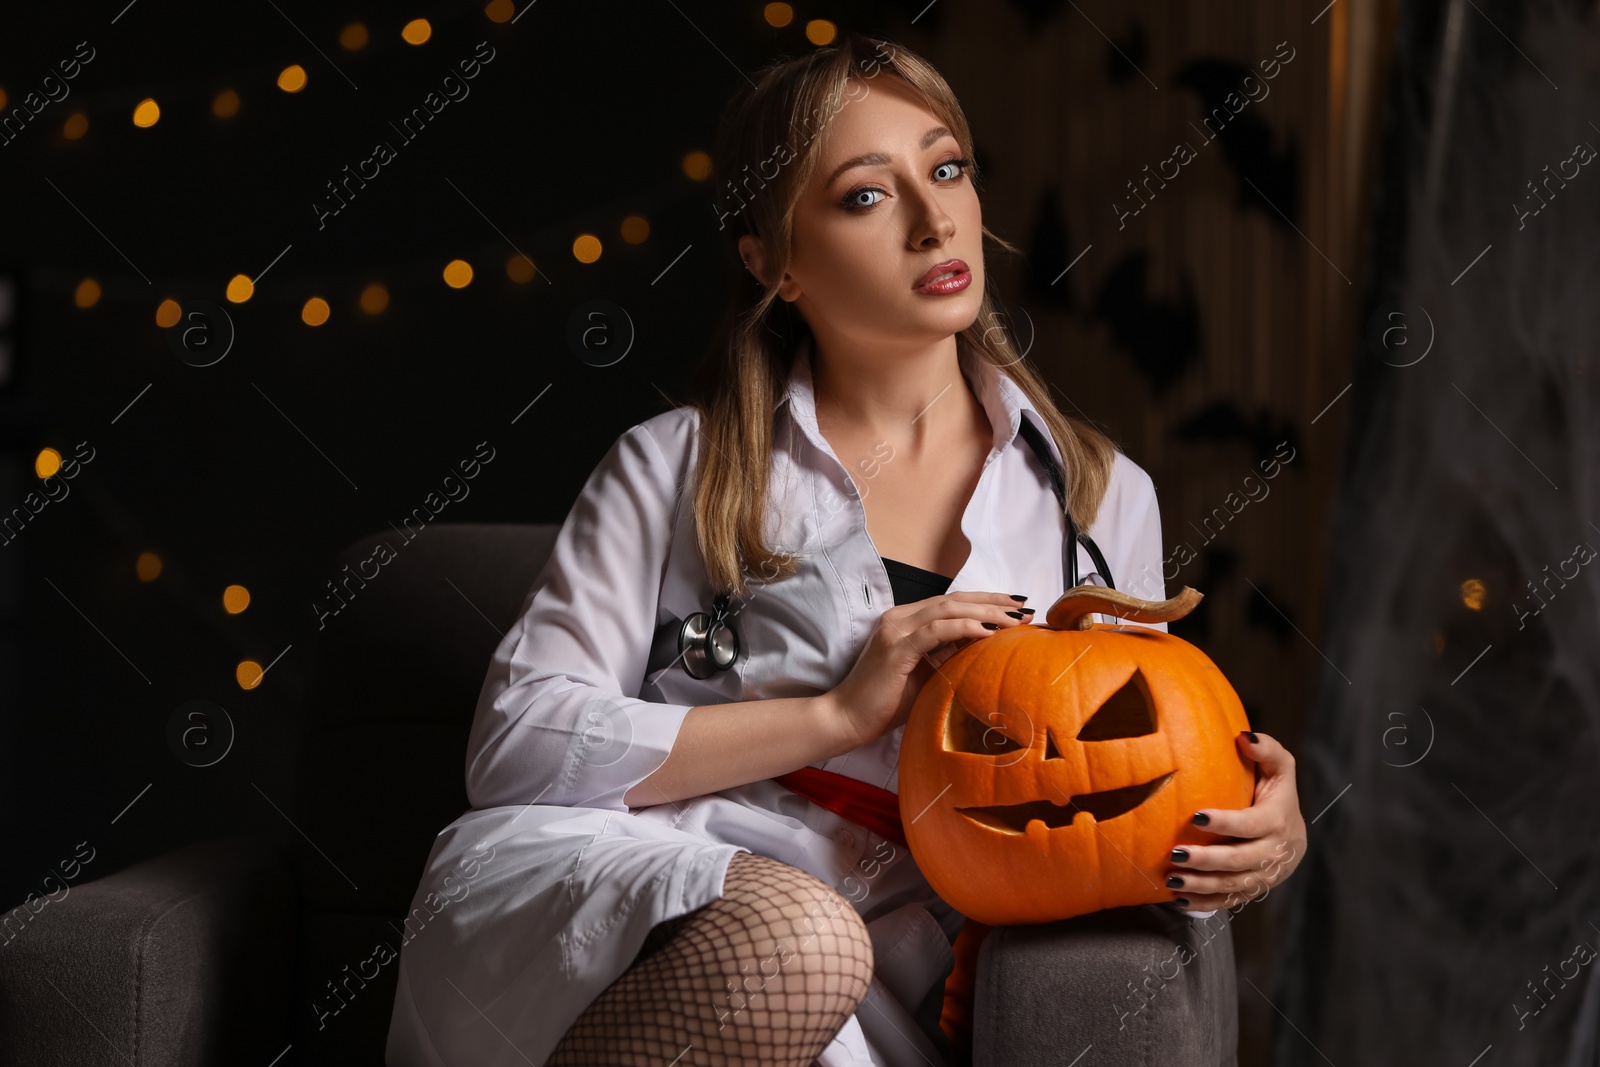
[765, 154]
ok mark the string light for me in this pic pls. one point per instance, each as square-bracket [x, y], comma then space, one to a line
[293, 78]
[697, 165]
[586, 249]
[458, 274]
[47, 462]
[315, 312]
[235, 599]
[240, 289]
[417, 31]
[147, 566]
[248, 674]
[146, 113]
[821, 31]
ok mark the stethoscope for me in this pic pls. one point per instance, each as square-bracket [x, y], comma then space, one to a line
[706, 642]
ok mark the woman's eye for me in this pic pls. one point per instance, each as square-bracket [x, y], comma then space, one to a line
[960, 166]
[853, 201]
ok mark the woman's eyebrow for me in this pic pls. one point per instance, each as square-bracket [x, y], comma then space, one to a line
[873, 159]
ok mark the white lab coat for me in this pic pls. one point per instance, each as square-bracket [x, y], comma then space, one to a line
[535, 901]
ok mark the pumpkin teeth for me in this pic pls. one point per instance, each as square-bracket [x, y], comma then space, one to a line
[1102, 806]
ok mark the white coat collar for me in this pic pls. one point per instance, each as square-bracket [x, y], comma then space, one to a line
[1003, 401]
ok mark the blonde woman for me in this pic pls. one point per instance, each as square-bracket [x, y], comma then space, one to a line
[684, 847]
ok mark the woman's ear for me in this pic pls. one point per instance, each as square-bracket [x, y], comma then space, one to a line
[753, 251]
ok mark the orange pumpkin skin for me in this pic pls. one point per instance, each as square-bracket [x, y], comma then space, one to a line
[996, 731]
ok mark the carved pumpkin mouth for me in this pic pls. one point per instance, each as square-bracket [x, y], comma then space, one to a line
[1102, 806]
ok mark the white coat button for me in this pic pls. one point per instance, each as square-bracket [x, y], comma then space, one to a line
[844, 837]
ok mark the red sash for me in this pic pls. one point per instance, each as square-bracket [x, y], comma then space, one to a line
[864, 804]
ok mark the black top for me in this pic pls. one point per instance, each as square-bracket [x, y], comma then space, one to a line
[913, 583]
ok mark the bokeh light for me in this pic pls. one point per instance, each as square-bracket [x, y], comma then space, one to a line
[635, 228]
[87, 295]
[586, 248]
[697, 165]
[417, 31]
[235, 599]
[225, 104]
[147, 566]
[458, 274]
[374, 298]
[315, 312]
[146, 113]
[293, 78]
[240, 289]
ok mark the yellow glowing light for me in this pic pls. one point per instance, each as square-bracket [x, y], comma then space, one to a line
[697, 165]
[146, 113]
[821, 31]
[76, 126]
[374, 298]
[87, 295]
[168, 312]
[248, 674]
[779, 14]
[240, 289]
[458, 274]
[147, 566]
[47, 462]
[635, 229]
[520, 269]
[500, 10]
[1472, 593]
[235, 599]
[225, 104]
[293, 78]
[417, 31]
[586, 249]
[315, 312]
[353, 37]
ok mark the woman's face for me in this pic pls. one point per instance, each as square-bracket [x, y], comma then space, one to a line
[866, 231]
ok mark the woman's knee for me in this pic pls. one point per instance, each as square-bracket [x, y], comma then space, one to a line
[797, 923]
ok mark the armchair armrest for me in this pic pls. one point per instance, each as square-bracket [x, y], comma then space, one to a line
[1144, 984]
[178, 961]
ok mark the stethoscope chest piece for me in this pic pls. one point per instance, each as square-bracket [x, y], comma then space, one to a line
[709, 643]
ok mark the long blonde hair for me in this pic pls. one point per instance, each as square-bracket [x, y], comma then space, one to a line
[765, 155]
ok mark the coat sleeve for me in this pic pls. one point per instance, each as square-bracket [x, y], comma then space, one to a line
[558, 719]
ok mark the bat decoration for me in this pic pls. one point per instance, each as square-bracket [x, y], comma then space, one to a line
[1217, 565]
[1125, 57]
[1266, 612]
[1268, 181]
[1222, 422]
[1162, 337]
[1050, 252]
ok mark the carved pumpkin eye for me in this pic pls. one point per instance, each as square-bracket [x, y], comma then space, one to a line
[965, 732]
[1128, 713]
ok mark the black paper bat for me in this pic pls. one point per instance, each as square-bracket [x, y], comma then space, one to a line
[1163, 338]
[1266, 181]
[1222, 421]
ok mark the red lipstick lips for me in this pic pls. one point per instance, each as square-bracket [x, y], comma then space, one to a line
[951, 276]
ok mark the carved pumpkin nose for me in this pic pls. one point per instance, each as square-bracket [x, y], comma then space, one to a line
[1047, 771]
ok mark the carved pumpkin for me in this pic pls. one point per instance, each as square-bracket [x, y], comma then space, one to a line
[1047, 771]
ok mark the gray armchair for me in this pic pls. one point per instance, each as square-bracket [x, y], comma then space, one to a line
[247, 952]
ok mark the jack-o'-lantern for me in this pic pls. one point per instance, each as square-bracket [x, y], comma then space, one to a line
[1047, 771]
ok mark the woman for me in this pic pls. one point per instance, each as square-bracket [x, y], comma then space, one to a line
[633, 886]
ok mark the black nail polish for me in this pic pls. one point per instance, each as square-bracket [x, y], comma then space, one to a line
[991, 626]
[1201, 818]
[1015, 614]
[1182, 902]
[1254, 740]
[1174, 882]
[1180, 855]
[1027, 611]
[1018, 599]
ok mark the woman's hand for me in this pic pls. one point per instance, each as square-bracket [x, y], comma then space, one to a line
[1258, 847]
[910, 642]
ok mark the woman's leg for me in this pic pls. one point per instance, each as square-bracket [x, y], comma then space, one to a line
[764, 975]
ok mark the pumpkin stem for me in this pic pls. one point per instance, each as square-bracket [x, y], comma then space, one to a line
[1074, 608]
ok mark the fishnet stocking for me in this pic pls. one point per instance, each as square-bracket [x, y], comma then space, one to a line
[764, 975]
